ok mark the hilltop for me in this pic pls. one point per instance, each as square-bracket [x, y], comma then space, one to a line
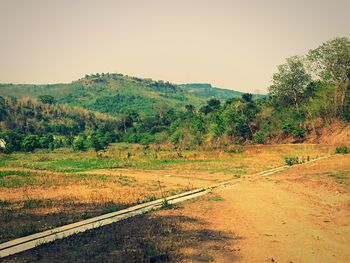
[120, 94]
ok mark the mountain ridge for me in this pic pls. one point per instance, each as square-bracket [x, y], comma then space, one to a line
[115, 93]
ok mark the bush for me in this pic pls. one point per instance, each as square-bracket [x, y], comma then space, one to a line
[46, 141]
[30, 143]
[291, 160]
[79, 143]
[259, 137]
[98, 143]
[235, 150]
[342, 149]
[176, 137]
[147, 138]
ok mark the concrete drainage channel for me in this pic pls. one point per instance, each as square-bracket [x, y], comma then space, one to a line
[31, 241]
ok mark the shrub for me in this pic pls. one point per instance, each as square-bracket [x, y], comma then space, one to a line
[30, 143]
[291, 160]
[79, 143]
[259, 137]
[235, 150]
[176, 137]
[342, 149]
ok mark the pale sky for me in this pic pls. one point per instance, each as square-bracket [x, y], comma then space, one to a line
[231, 44]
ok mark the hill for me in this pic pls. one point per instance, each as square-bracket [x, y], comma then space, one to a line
[27, 124]
[118, 94]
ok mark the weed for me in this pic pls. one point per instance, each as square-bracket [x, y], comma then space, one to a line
[15, 172]
[110, 207]
[292, 160]
[149, 249]
[340, 176]
[215, 198]
[85, 215]
[4, 158]
[37, 203]
[166, 204]
[4, 203]
[235, 150]
[342, 149]
[16, 182]
[28, 230]
[150, 198]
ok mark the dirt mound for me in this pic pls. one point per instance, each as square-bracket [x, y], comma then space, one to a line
[336, 133]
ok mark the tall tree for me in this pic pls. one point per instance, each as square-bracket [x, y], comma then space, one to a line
[331, 63]
[290, 83]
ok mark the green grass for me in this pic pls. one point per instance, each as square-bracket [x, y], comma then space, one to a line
[215, 198]
[16, 182]
[67, 161]
[15, 178]
[15, 172]
[341, 177]
[22, 178]
[61, 163]
[4, 158]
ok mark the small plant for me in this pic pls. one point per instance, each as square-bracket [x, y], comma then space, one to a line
[150, 198]
[235, 150]
[215, 198]
[292, 160]
[165, 202]
[342, 149]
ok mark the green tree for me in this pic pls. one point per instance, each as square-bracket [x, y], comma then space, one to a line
[79, 143]
[46, 140]
[3, 112]
[13, 140]
[212, 105]
[290, 83]
[98, 142]
[47, 99]
[331, 63]
[190, 109]
[30, 143]
[247, 97]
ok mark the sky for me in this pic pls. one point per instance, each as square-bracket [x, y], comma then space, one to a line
[228, 43]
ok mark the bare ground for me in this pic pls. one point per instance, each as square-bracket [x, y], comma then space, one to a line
[299, 215]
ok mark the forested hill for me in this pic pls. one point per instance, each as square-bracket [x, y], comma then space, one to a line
[308, 94]
[120, 94]
[27, 124]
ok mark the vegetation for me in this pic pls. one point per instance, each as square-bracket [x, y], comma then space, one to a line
[307, 93]
[28, 124]
[48, 188]
[292, 160]
[342, 149]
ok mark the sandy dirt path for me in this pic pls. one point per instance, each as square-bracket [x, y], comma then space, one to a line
[276, 220]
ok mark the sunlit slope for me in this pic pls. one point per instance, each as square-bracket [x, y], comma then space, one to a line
[116, 93]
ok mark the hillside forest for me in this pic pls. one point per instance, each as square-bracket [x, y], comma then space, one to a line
[307, 93]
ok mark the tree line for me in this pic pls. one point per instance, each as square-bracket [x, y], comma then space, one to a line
[307, 93]
[27, 124]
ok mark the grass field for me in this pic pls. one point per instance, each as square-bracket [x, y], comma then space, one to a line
[45, 189]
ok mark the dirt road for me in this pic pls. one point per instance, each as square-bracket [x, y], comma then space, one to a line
[275, 219]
